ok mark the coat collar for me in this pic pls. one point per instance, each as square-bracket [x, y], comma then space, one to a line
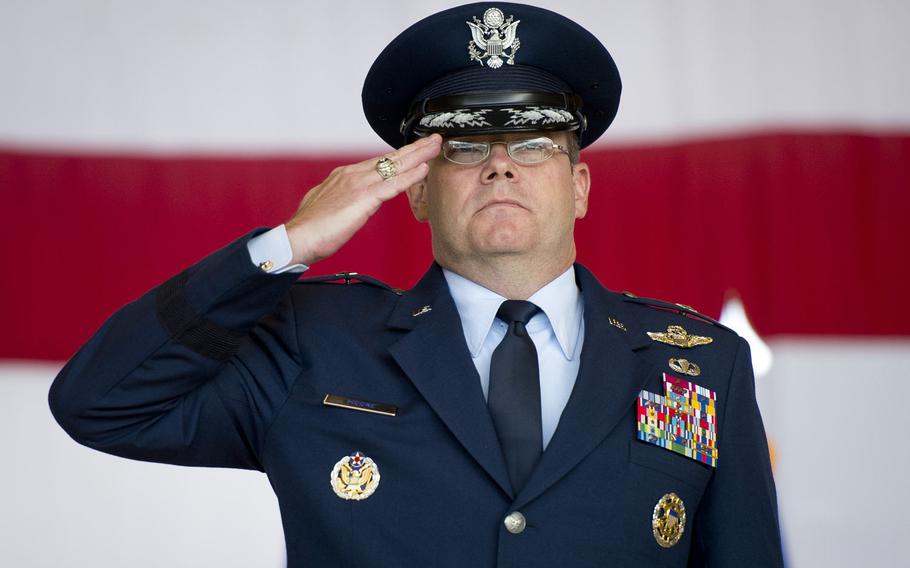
[559, 301]
[435, 357]
[610, 376]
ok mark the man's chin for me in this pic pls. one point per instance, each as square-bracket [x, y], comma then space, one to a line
[504, 245]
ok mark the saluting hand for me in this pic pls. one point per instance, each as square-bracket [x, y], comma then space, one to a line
[333, 211]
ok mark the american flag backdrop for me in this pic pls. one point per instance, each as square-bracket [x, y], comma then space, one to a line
[761, 152]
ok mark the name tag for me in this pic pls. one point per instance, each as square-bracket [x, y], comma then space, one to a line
[362, 405]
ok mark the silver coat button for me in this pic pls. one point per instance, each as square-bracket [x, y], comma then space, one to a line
[515, 522]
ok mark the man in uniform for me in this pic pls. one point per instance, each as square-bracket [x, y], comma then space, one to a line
[508, 410]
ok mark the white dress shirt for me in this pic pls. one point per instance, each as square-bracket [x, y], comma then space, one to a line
[557, 330]
[273, 247]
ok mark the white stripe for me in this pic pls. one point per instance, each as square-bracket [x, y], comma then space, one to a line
[271, 76]
[839, 508]
[65, 505]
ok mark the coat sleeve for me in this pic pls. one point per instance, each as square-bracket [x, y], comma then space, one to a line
[191, 373]
[737, 521]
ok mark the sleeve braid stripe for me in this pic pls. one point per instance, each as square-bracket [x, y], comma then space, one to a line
[191, 329]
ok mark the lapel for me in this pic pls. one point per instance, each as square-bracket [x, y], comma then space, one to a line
[435, 357]
[610, 376]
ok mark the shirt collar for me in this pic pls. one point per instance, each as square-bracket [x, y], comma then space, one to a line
[559, 300]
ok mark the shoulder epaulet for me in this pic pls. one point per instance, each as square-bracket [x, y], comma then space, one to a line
[351, 278]
[681, 309]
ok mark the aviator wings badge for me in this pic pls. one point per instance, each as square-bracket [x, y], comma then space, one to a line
[492, 38]
[678, 336]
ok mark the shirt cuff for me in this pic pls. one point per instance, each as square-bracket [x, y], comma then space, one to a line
[271, 251]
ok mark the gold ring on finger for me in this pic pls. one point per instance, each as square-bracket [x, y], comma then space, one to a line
[386, 168]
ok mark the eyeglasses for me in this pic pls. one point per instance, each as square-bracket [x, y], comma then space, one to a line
[526, 152]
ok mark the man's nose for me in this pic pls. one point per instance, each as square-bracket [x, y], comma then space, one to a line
[499, 163]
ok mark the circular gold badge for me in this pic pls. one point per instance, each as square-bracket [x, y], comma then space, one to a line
[669, 520]
[355, 477]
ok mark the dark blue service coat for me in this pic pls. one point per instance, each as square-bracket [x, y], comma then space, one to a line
[224, 365]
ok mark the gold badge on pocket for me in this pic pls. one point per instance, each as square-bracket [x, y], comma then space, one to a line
[355, 477]
[668, 522]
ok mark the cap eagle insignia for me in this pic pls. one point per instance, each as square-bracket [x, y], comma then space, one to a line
[493, 38]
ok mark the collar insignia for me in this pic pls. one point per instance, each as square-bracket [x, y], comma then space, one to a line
[493, 38]
[421, 310]
[678, 336]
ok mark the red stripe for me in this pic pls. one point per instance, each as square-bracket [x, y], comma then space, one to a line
[808, 228]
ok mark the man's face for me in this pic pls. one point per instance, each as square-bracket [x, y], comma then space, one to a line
[499, 207]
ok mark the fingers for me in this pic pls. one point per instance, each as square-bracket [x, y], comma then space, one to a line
[412, 155]
[333, 211]
[411, 166]
[391, 187]
[406, 157]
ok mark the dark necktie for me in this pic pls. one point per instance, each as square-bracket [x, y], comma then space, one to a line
[514, 395]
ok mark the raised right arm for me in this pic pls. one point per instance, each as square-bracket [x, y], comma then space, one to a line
[195, 370]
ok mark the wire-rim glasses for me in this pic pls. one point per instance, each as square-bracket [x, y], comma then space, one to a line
[524, 151]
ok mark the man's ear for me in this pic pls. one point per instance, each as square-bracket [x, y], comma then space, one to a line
[581, 180]
[417, 196]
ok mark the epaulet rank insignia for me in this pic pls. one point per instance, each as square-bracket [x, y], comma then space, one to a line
[681, 309]
[351, 278]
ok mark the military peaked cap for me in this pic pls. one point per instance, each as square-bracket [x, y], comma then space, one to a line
[492, 67]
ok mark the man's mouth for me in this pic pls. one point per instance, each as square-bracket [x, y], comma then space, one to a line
[502, 203]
